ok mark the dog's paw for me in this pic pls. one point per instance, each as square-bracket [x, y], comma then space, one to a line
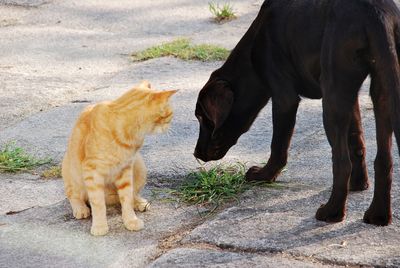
[330, 213]
[101, 229]
[261, 174]
[81, 212]
[358, 180]
[134, 224]
[358, 186]
[379, 217]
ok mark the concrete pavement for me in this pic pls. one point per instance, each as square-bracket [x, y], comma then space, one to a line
[58, 56]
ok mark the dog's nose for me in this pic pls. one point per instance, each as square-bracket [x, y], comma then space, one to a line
[197, 154]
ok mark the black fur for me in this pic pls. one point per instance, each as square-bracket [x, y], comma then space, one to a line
[315, 49]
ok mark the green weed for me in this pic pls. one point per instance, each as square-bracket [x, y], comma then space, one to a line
[211, 188]
[222, 13]
[183, 49]
[216, 186]
[14, 159]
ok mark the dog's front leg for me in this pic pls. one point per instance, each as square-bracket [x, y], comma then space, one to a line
[284, 118]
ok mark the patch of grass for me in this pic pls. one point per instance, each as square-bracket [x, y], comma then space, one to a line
[183, 49]
[211, 188]
[216, 186]
[222, 13]
[14, 159]
[53, 172]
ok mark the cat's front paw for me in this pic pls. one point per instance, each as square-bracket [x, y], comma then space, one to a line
[141, 204]
[81, 212]
[134, 224]
[99, 229]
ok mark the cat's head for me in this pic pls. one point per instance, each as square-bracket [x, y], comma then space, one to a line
[159, 111]
[145, 107]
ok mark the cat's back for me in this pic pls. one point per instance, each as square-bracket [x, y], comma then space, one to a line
[75, 151]
[89, 119]
[80, 131]
[83, 123]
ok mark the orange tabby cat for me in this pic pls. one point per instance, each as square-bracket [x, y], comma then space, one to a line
[102, 163]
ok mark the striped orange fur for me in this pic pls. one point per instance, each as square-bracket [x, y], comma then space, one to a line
[102, 159]
[124, 185]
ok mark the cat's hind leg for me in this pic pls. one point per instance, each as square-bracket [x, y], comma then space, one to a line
[124, 184]
[139, 180]
[75, 192]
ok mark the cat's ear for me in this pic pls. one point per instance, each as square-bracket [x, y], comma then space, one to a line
[145, 84]
[169, 93]
[163, 95]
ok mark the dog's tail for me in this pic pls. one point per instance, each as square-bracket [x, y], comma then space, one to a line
[384, 62]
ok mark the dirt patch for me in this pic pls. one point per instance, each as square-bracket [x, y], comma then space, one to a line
[8, 22]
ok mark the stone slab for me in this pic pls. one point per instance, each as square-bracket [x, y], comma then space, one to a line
[24, 191]
[198, 258]
[49, 236]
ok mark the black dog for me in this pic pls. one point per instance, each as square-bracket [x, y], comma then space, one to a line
[315, 49]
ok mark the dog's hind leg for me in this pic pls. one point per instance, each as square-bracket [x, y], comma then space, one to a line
[385, 93]
[341, 80]
[359, 174]
[337, 119]
[379, 212]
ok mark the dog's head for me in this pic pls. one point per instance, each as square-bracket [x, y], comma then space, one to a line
[220, 126]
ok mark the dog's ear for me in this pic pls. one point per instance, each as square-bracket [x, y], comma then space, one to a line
[216, 102]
